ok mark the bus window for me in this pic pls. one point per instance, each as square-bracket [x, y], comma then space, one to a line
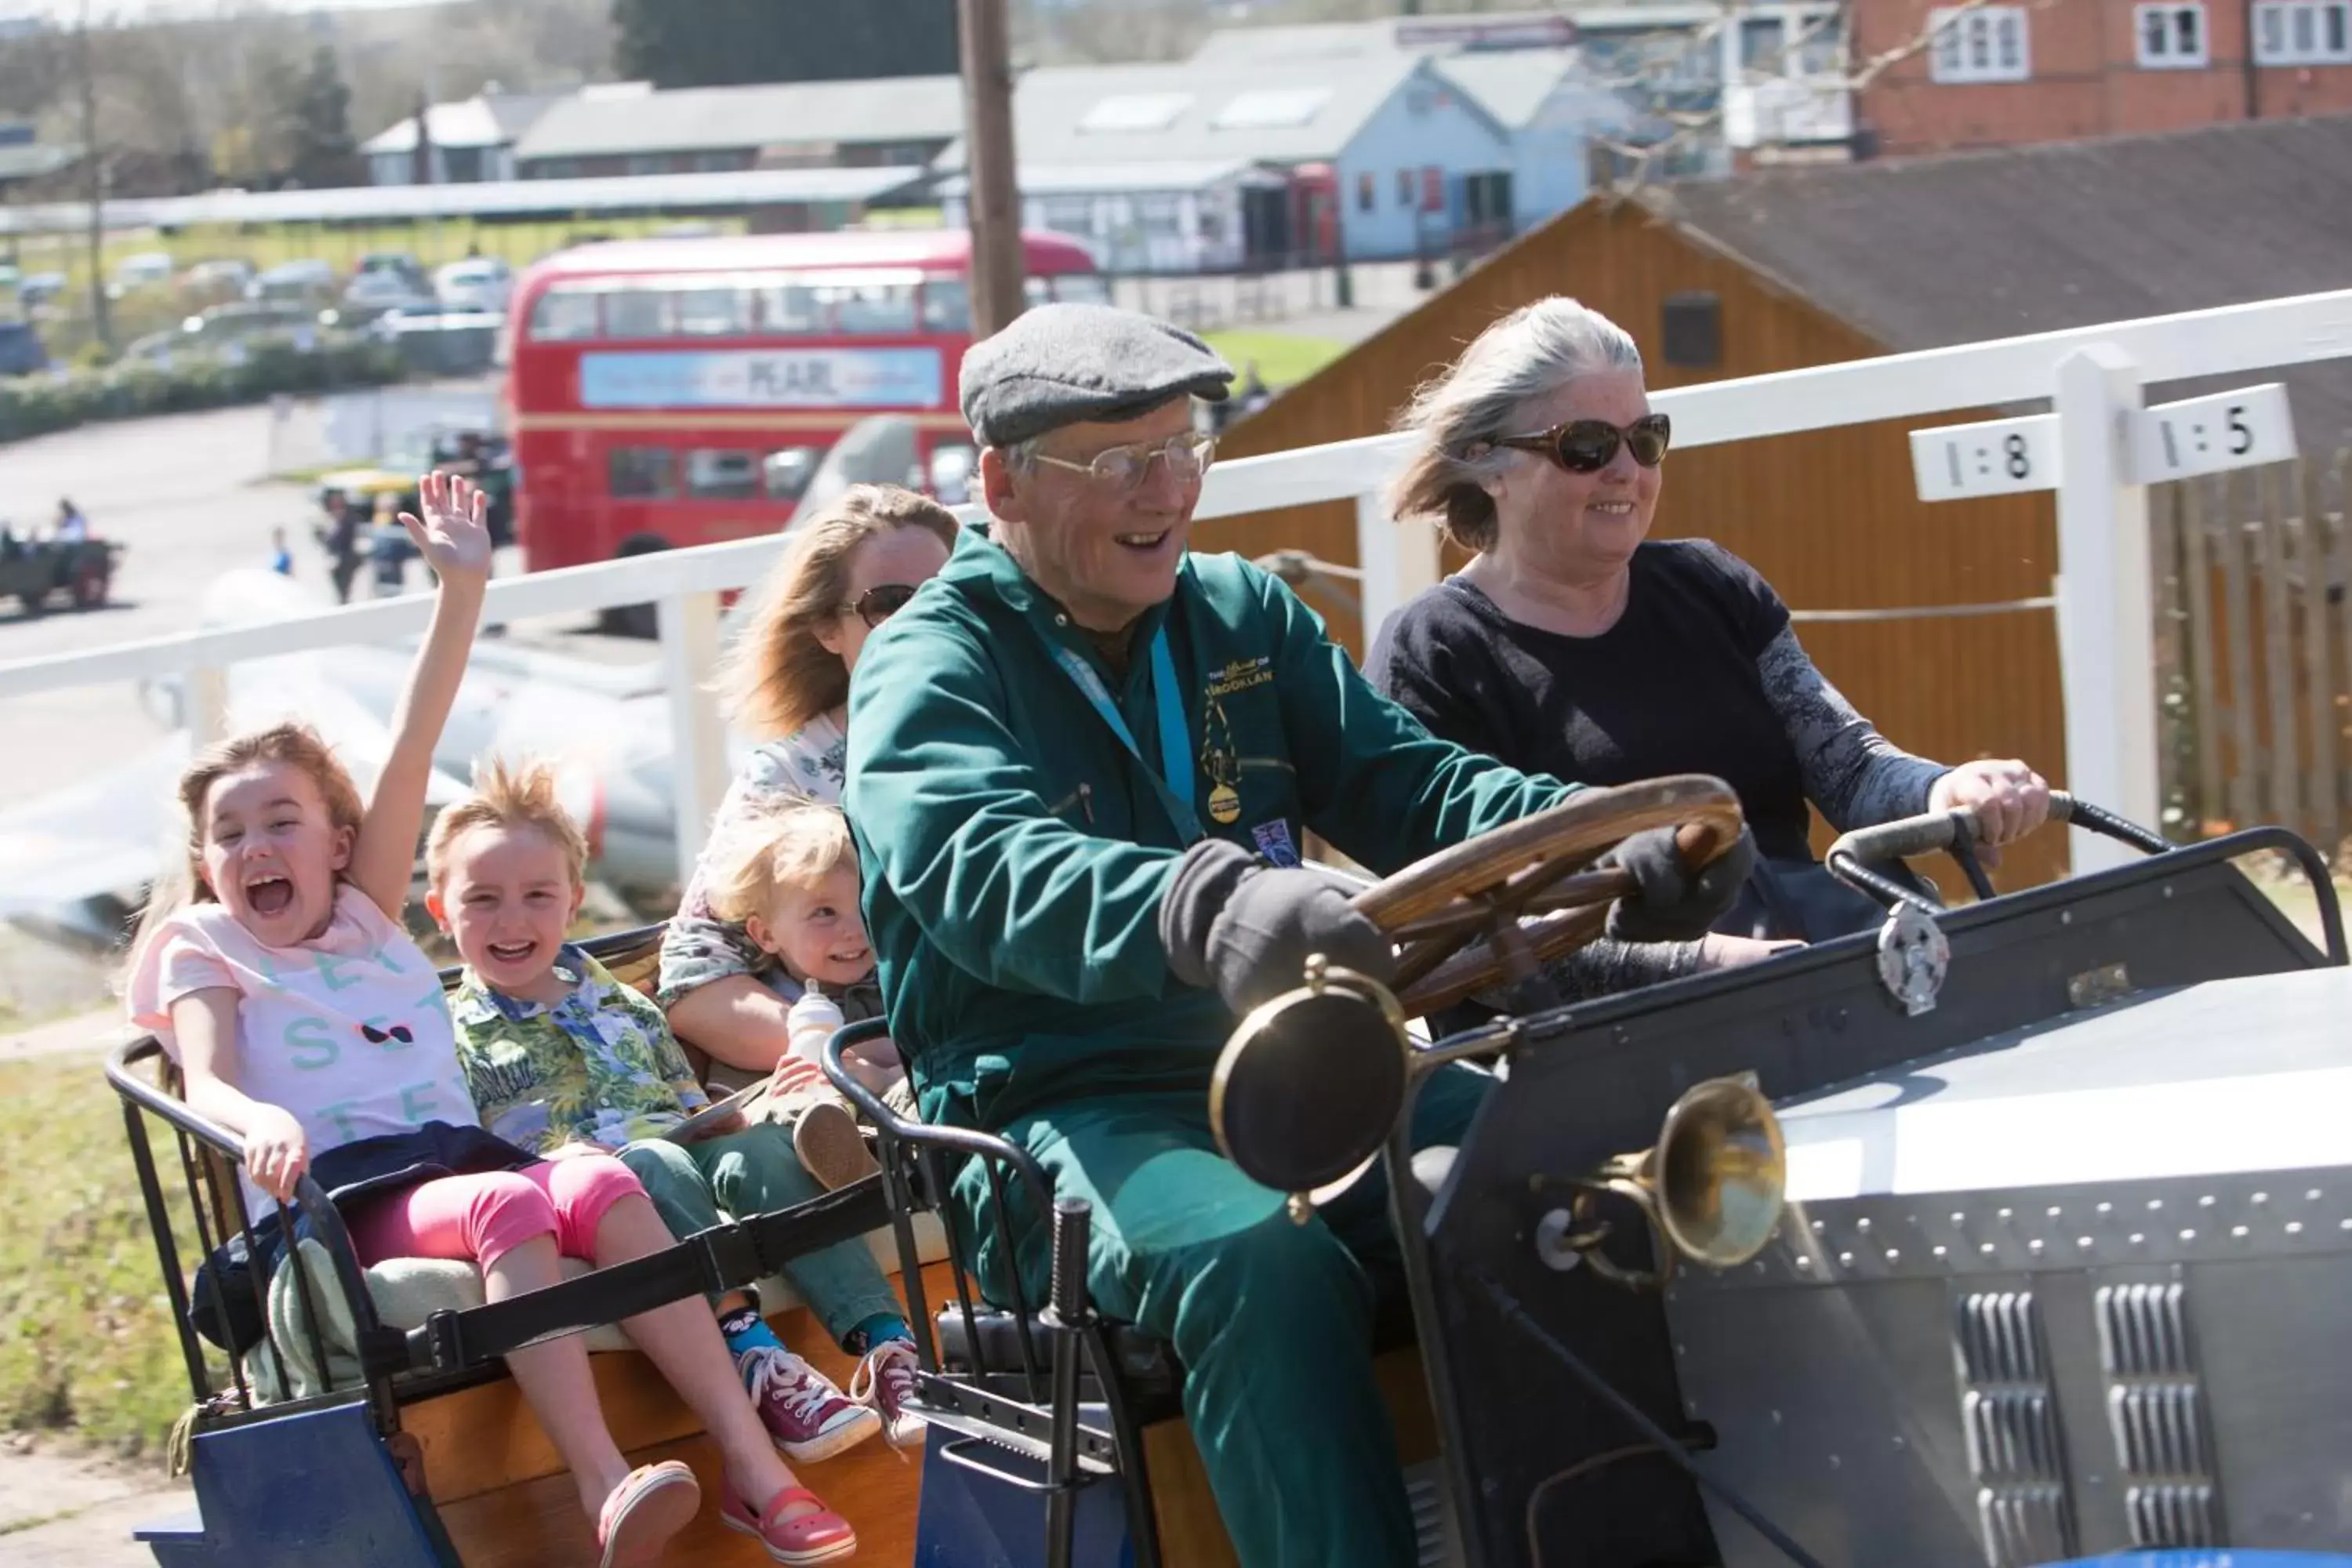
[791, 308]
[947, 305]
[722, 476]
[951, 465]
[637, 311]
[1086, 288]
[641, 473]
[868, 307]
[788, 471]
[713, 312]
[564, 315]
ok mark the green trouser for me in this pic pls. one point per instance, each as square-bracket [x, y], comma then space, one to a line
[756, 1172]
[1271, 1320]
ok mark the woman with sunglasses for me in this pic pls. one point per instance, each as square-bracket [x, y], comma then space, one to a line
[786, 680]
[1573, 644]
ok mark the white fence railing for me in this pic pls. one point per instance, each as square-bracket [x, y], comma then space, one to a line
[2092, 377]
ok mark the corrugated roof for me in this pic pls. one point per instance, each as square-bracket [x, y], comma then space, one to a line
[639, 192]
[714, 119]
[1928, 252]
[1075, 115]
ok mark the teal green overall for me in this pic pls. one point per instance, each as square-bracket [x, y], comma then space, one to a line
[1017, 846]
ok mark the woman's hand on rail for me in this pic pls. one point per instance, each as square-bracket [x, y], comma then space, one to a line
[2010, 799]
[276, 1151]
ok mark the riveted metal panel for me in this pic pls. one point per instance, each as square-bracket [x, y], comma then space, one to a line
[2238, 1218]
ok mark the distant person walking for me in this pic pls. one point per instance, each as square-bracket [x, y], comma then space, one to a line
[281, 560]
[341, 540]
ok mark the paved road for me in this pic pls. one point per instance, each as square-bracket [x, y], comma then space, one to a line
[190, 498]
[60, 1511]
[187, 496]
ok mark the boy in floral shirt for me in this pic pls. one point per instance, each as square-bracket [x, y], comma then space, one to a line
[561, 1058]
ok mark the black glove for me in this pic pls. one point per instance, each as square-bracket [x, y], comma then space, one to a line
[1670, 902]
[1233, 923]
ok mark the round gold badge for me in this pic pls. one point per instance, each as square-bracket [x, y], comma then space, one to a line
[1225, 803]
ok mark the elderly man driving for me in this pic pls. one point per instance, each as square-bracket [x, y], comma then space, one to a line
[1082, 763]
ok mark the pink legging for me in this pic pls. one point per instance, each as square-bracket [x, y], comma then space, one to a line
[484, 1217]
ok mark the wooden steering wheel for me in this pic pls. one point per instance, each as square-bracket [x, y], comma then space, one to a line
[1456, 916]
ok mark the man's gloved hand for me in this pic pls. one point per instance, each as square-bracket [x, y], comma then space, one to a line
[1673, 903]
[1233, 923]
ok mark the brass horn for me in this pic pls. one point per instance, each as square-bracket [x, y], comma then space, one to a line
[1710, 1187]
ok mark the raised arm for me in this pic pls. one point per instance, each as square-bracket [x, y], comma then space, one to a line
[455, 538]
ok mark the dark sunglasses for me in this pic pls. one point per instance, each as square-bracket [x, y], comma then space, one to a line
[1588, 445]
[397, 1032]
[879, 602]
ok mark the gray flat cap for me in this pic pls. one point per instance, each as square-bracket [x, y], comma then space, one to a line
[1059, 364]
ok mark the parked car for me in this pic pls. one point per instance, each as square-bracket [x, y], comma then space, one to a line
[400, 264]
[370, 295]
[225, 325]
[476, 283]
[224, 278]
[294, 282]
[140, 272]
[39, 288]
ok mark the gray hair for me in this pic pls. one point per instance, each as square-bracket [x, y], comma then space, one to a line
[1532, 352]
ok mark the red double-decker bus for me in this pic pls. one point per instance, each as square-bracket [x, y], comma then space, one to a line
[678, 391]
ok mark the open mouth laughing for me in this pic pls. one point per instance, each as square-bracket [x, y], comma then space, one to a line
[268, 894]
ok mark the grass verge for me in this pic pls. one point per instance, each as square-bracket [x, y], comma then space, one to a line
[1281, 358]
[86, 1347]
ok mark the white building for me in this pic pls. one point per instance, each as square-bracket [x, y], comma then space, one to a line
[473, 140]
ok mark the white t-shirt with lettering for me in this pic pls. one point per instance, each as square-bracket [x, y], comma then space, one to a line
[348, 1032]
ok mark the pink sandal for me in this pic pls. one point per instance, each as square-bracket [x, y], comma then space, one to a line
[653, 1504]
[820, 1535]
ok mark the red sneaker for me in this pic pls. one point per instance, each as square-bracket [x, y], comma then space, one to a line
[806, 1417]
[886, 1383]
[813, 1534]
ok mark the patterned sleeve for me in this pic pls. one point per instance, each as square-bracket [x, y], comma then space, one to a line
[697, 947]
[1856, 775]
[670, 1061]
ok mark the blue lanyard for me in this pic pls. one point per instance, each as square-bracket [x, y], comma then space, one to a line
[1175, 743]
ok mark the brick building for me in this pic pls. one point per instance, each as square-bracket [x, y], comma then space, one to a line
[2053, 70]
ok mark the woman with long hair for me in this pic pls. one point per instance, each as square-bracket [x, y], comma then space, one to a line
[786, 679]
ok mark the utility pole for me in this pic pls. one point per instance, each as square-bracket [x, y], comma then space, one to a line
[94, 164]
[993, 198]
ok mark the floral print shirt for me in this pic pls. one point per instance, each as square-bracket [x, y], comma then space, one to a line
[600, 1066]
[697, 947]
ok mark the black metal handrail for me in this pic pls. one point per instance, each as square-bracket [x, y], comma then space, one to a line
[727, 1256]
[919, 1150]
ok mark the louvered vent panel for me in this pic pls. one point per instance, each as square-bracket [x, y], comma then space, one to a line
[2156, 1416]
[2011, 1417]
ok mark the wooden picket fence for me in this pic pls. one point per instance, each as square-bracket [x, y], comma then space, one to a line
[2253, 584]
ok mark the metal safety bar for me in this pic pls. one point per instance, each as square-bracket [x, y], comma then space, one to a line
[1045, 1425]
